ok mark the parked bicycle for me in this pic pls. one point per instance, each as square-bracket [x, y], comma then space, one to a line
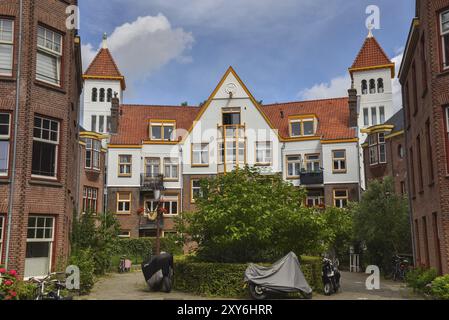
[50, 287]
[400, 268]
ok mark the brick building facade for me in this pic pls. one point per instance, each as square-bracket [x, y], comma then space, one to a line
[424, 76]
[44, 178]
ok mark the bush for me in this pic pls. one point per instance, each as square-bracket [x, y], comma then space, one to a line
[227, 279]
[84, 259]
[419, 279]
[137, 249]
[26, 290]
[440, 288]
[8, 284]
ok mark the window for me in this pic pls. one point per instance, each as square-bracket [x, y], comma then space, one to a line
[124, 234]
[401, 152]
[339, 161]
[372, 86]
[423, 63]
[195, 191]
[109, 95]
[45, 147]
[5, 135]
[125, 164]
[101, 124]
[49, 53]
[171, 205]
[446, 112]
[315, 199]
[231, 116]
[94, 95]
[419, 156]
[445, 38]
[108, 124]
[373, 116]
[415, 89]
[200, 154]
[313, 163]
[403, 188]
[6, 46]
[40, 237]
[406, 100]
[412, 172]
[2, 225]
[381, 115]
[429, 152]
[93, 151]
[102, 94]
[94, 124]
[341, 198]
[162, 131]
[366, 117]
[123, 203]
[382, 148]
[171, 168]
[364, 87]
[380, 85]
[377, 148]
[263, 153]
[302, 127]
[293, 166]
[152, 167]
[90, 196]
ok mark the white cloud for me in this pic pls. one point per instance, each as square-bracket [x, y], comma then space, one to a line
[143, 46]
[338, 87]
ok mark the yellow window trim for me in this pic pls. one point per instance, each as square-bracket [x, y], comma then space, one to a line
[162, 124]
[125, 175]
[118, 200]
[200, 165]
[339, 159]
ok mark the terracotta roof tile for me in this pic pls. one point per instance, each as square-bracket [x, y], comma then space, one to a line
[371, 55]
[104, 65]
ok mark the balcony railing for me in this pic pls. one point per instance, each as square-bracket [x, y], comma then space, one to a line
[150, 182]
[312, 177]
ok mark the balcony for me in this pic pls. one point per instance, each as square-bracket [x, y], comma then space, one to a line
[149, 182]
[312, 177]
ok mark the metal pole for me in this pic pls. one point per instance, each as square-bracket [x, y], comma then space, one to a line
[16, 125]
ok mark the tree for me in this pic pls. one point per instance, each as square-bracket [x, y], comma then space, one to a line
[340, 230]
[244, 216]
[381, 221]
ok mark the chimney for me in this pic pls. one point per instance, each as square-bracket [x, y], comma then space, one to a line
[115, 106]
[353, 116]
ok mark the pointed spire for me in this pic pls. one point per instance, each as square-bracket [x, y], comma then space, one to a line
[370, 31]
[105, 40]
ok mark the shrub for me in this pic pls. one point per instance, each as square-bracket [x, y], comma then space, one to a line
[137, 249]
[26, 290]
[419, 279]
[8, 284]
[440, 288]
[227, 279]
[84, 259]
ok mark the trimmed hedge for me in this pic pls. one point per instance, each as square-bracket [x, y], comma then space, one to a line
[226, 279]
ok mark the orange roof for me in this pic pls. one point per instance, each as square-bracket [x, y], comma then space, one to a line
[134, 121]
[104, 67]
[371, 56]
[332, 115]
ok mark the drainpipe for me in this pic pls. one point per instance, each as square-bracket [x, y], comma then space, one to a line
[16, 125]
[409, 197]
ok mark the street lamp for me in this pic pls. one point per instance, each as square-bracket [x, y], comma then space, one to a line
[160, 211]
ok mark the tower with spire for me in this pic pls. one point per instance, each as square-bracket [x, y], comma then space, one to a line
[372, 75]
[102, 81]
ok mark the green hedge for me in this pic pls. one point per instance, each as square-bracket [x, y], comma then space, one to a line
[226, 279]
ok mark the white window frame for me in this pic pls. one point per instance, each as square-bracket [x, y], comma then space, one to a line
[340, 161]
[200, 149]
[90, 195]
[8, 43]
[194, 188]
[6, 138]
[340, 198]
[296, 164]
[45, 50]
[124, 234]
[56, 143]
[266, 148]
[443, 35]
[172, 164]
[314, 162]
[163, 125]
[377, 147]
[152, 163]
[122, 200]
[93, 147]
[382, 144]
[125, 165]
[301, 124]
[170, 200]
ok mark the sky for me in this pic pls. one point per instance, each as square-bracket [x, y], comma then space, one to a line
[175, 51]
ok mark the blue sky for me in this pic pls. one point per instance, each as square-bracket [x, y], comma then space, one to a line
[173, 51]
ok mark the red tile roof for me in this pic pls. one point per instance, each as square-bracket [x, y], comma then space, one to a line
[104, 67]
[332, 114]
[134, 121]
[370, 56]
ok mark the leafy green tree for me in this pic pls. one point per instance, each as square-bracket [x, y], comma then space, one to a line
[381, 221]
[340, 230]
[245, 216]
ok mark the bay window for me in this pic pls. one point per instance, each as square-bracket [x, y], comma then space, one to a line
[293, 167]
[200, 154]
[377, 148]
[444, 17]
[6, 46]
[49, 53]
[263, 153]
[5, 136]
[45, 147]
[171, 169]
[93, 151]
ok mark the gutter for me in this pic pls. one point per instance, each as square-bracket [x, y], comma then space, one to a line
[16, 126]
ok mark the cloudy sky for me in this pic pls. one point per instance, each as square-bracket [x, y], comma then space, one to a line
[173, 51]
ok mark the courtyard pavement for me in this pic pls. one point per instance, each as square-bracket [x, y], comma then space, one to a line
[132, 286]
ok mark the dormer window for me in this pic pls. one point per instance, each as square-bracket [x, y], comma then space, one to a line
[380, 85]
[302, 127]
[364, 87]
[372, 86]
[377, 149]
[162, 131]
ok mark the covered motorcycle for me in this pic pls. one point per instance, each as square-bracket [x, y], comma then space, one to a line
[158, 272]
[285, 276]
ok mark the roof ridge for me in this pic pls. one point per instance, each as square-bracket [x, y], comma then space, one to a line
[97, 57]
[156, 105]
[304, 101]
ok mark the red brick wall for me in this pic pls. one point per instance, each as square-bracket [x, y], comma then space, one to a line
[55, 199]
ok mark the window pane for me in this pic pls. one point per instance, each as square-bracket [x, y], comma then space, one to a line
[339, 154]
[374, 116]
[6, 59]
[47, 68]
[168, 130]
[296, 128]
[366, 117]
[38, 250]
[382, 115]
[446, 49]
[308, 128]
[44, 159]
[94, 124]
[156, 132]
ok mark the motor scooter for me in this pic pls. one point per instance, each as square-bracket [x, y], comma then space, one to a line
[331, 277]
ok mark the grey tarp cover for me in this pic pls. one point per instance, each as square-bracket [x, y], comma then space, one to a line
[285, 275]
